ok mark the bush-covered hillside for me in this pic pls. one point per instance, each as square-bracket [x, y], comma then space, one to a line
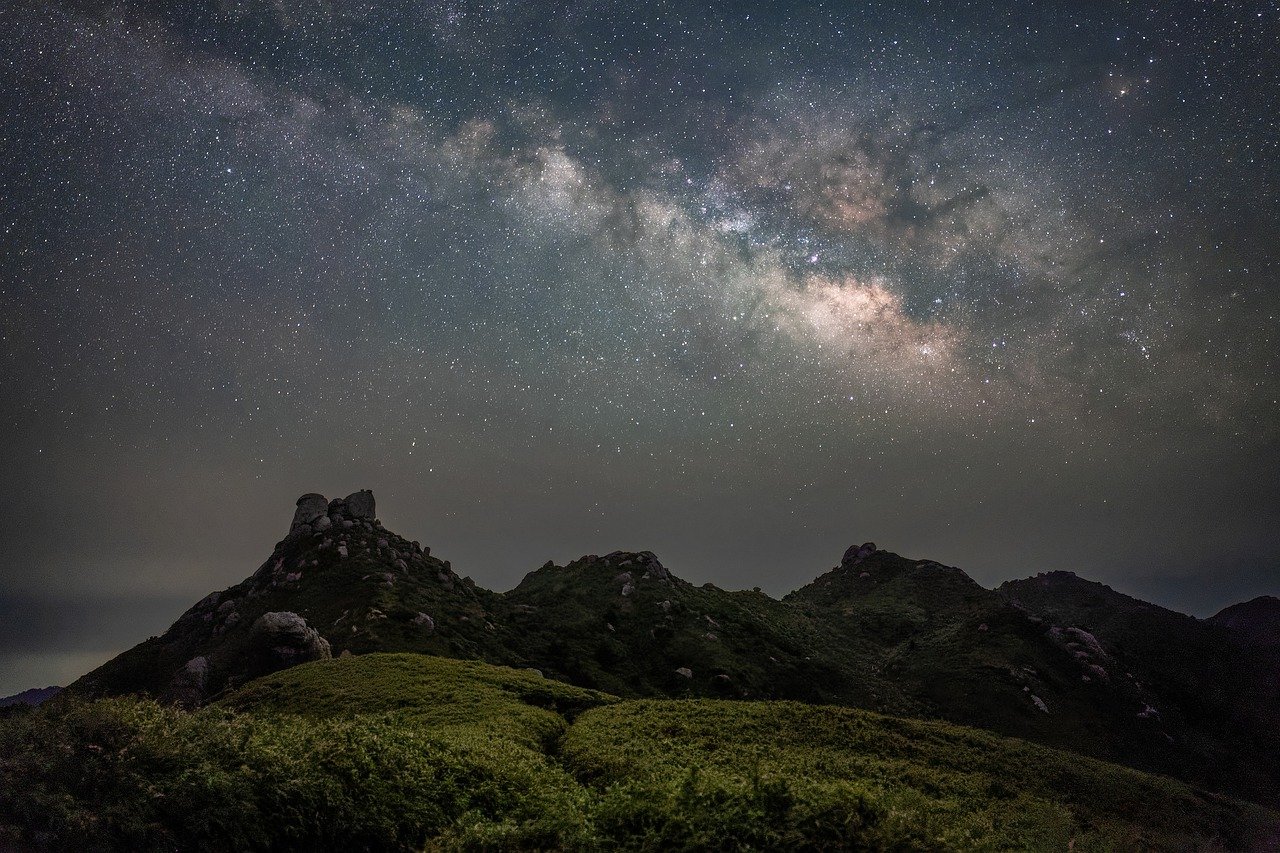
[1109, 677]
[409, 752]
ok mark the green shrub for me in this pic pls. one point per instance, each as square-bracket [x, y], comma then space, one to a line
[406, 752]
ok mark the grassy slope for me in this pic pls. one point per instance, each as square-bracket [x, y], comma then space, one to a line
[922, 784]
[399, 751]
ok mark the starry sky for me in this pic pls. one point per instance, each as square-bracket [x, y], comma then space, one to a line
[740, 283]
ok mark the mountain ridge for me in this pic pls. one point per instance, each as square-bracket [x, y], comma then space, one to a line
[1053, 659]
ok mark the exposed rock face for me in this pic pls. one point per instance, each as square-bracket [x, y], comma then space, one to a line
[857, 553]
[316, 514]
[281, 639]
[360, 504]
[190, 684]
[652, 567]
[310, 508]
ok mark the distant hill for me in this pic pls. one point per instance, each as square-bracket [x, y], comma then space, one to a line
[1054, 659]
[34, 696]
[1254, 623]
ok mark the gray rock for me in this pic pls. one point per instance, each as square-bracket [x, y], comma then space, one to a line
[685, 672]
[857, 553]
[627, 589]
[425, 621]
[654, 568]
[338, 507]
[322, 523]
[190, 684]
[348, 523]
[311, 506]
[360, 504]
[282, 639]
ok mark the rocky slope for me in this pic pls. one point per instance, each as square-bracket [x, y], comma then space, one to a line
[1214, 698]
[1053, 659]
[338, 583]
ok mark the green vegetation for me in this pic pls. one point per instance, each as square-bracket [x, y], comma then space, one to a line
[409, 752]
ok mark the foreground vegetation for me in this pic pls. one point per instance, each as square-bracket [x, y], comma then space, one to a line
[407, 752]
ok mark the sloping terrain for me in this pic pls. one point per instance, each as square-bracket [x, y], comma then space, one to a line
[1053, 659]
[1252, 623]
[1217, 700]
[409, 752]
[354, 588]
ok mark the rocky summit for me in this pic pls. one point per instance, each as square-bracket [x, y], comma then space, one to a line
[1054, 658]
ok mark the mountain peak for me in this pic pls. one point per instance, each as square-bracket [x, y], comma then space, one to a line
[315, 514]
[855, 554]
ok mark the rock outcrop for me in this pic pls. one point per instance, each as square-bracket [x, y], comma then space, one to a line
[311, 507]
[315, 513]
[282, 639]
[855, 554]
[360, 505]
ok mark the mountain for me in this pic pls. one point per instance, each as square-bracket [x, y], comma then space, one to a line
[1053, 659]
[32, 697]
[1215, 699]
[1254, 623]
[337, 584]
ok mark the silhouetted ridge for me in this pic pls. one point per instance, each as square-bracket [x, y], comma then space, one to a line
[1255, 622]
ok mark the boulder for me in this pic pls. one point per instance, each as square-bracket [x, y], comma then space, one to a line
[857, 553]
[190, 684]
[311, 507]
[684, 672]
[322, 523]
[360, 504]
[282, 639]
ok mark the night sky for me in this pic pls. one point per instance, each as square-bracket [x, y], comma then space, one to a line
[741, 284]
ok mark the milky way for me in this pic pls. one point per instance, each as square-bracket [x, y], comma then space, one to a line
[740, 284]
